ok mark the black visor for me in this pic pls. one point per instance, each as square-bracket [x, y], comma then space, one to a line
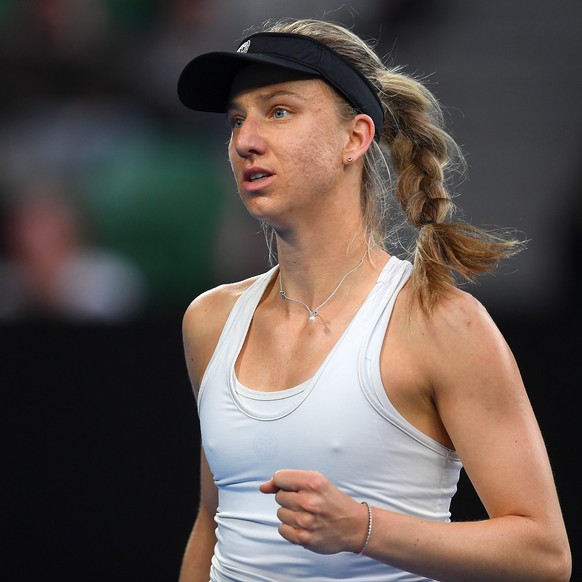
[205, 82]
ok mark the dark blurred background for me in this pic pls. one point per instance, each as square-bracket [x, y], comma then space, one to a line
[117, 208]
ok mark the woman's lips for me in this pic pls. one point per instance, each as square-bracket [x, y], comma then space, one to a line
[255, 179]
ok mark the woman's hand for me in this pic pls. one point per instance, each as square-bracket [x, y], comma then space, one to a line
[315, 514]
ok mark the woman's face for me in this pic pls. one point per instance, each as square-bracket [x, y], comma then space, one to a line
[286, 147]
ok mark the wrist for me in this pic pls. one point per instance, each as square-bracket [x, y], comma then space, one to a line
[369, 524]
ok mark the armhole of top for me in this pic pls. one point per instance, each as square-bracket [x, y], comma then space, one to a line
[254, 292]
[370, 371]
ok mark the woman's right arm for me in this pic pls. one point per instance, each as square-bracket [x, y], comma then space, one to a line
[202, 325]
[200, 547]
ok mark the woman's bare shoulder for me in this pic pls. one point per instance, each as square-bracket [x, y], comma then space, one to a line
[207, 314]
[216, 303]
[460, 317]
[460, 341]
[204, 320]
[459, 326]
[455, 312]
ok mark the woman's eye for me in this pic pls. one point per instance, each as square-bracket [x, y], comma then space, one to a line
[280, 113]
[233, 121]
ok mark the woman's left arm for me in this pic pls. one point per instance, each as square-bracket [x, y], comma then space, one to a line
[481, 401]
[479, 396]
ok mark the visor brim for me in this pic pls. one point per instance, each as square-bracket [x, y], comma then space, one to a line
[206, 81]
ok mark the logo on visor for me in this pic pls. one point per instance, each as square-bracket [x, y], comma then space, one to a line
[244, 47]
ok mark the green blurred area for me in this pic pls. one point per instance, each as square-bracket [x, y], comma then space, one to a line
[159, 203]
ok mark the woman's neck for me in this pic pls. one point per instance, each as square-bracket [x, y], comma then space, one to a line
[311, 272]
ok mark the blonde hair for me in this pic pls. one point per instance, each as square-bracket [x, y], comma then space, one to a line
[416, 146]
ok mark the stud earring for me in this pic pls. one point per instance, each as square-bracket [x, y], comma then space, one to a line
[349, 159]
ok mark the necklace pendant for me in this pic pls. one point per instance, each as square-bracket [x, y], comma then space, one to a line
[313, 313]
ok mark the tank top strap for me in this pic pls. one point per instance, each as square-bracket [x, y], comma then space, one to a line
[378, 306]
[237, 324]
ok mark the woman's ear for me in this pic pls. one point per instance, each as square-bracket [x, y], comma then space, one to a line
[361, 134]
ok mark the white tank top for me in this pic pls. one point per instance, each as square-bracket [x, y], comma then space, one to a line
[340, 422]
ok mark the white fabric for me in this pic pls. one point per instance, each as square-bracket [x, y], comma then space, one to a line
[340, 423]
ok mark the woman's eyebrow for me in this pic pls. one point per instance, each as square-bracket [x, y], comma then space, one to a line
[267, 96]
[281, 93]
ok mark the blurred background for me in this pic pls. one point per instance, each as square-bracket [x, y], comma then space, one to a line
[117, 208]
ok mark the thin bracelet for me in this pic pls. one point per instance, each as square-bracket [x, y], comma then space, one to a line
[370, 521]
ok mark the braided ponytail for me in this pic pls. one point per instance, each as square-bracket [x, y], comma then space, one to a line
[421, 151]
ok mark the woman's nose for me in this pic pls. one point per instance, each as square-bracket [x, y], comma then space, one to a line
[249, 139]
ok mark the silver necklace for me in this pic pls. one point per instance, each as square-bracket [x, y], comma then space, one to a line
[313, 313]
